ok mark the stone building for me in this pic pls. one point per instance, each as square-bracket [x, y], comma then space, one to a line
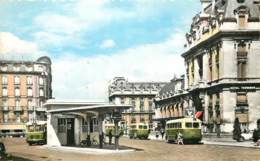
[221, 58]
[138, 94]
[24, 87]
[172, 102]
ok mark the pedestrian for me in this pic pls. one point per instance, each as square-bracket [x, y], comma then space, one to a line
[110, 135]
[156, 134]
[180, 138]
[162, 132]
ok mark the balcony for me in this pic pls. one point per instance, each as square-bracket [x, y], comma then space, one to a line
[30, 108]
[17, 109]
[41, 109]
[5, 108]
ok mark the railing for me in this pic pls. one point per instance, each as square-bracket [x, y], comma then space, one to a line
[17, 109]
[5, 108]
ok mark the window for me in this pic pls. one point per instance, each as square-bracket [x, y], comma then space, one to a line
[29, 80]
[16, 68]
[150, 104]
[29, 68]
[18, 117]
[241, 99]
[17, 103]
[133, 104]
[30, 105]
[41, 92]
[4, 91]
[5, 107]
[30, 117]
[196, 125]
[84, 126]
[241, 61]
[142, 104]
[41, 81]
[16, 80]
[4, 67]
[188, 125]
[29, 92]
[242, 21]
[5, 117]
[4, 80]
[210, 66]
[61, 125]
[122, 101]
[17, 92]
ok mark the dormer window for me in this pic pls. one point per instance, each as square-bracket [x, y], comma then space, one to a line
[243, 13]
[240, 1]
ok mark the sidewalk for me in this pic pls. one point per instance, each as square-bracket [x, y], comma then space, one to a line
[222, 141]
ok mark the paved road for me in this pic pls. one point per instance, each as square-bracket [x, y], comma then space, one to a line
[151, 151]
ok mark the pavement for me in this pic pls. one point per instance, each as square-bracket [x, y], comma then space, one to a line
[222, 141]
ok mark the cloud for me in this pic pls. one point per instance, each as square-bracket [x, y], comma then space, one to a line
[88, 77]
[79, 17]
[107, 44]
[12, 47]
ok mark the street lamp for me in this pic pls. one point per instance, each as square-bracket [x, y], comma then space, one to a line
[116, 116]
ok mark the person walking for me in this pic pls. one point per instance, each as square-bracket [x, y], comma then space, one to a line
[180, 138]
[162, 132]
[110, 135]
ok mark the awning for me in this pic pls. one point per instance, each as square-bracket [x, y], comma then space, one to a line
[199, 115]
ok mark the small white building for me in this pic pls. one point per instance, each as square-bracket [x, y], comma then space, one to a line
[70, 123]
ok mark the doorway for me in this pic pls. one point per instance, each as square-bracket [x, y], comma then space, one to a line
[70, 132]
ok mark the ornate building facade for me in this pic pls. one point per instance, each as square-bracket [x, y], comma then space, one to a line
[172, 102]
[138, 94]
[221, 59]
[24, 87]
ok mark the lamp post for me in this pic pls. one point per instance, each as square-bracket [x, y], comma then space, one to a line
[116, 117]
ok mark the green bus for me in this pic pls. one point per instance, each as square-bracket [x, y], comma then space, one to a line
[139, 130]
[190, 128]
[36, 133]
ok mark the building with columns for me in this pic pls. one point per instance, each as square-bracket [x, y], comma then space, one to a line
[24, 87]
[138, 94]
[172, 102]
[221, 58]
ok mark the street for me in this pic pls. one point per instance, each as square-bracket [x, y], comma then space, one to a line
[149, 150]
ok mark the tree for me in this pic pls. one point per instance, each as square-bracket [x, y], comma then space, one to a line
[236, 130]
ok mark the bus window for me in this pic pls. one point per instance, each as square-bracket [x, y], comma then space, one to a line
[133, 126]
[188, 125]
[179, 125]
[196, 125]
[144, 127]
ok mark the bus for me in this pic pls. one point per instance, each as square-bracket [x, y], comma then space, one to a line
[36, 133]
[190, 128]
[139, 130]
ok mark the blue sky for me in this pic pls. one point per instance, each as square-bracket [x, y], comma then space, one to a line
[90, 41]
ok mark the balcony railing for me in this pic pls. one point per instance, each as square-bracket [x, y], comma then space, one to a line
[5, 108]
[17, 109]
[41, 109]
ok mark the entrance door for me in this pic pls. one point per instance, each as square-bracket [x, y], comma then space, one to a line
[70, 132]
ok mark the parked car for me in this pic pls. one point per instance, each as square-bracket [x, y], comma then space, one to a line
[247, 136]
[3, 154]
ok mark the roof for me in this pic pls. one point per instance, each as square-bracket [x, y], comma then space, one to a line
[188, 119]
[95, 108]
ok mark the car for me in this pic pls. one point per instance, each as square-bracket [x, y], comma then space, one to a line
[247, 136]
[3, 154]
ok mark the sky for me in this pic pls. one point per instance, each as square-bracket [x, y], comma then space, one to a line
[92, 41]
